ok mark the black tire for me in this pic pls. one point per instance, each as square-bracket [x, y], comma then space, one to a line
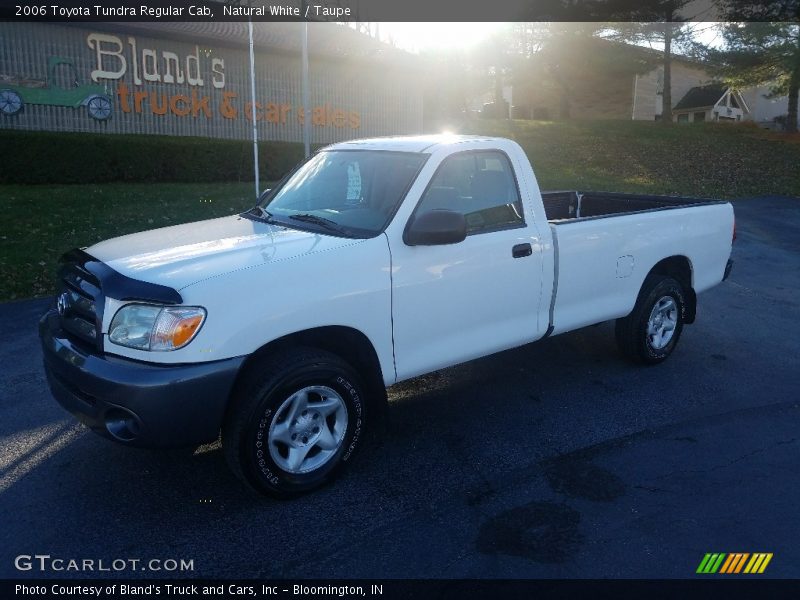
[632, 334]
[256, 408]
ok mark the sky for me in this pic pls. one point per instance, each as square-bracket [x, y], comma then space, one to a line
[416, 37]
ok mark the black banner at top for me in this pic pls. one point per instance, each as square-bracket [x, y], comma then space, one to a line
[399, 10]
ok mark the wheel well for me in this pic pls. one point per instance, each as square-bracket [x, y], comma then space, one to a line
[680, 269]
[349, 344]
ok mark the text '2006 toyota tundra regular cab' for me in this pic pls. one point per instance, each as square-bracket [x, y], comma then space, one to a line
[372, 262]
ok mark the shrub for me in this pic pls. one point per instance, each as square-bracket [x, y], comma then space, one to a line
[33, 157]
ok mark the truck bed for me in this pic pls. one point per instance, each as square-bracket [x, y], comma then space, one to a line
[605, 244]
[564, 206]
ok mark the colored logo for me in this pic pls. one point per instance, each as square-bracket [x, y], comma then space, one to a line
[737, 562]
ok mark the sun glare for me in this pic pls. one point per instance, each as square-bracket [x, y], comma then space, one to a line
[416, 37]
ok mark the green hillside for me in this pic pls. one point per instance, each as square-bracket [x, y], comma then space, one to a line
[707, 160]
[42, 221]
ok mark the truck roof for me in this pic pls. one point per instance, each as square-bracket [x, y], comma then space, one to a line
[409, 143]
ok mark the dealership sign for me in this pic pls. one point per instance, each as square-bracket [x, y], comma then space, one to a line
[192, 75]
[155, 84]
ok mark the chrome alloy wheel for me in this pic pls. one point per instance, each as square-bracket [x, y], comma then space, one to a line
[307, 429]
[662, 322]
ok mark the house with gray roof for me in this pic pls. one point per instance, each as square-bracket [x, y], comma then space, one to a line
[713, 102]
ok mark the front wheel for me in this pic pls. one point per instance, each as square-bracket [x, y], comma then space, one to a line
[650, 333]
[297, 425]
[99, 108]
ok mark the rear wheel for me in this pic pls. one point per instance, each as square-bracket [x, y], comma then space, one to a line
[10, 102]
[650, 333]
[298, 423]
[99, 108]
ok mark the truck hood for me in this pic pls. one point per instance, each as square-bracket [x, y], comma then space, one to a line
[181, 255]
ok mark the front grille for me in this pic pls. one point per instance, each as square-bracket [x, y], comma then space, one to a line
[78, 297]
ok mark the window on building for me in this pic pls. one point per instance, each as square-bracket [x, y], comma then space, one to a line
[699, 116]
[479, 185]
[683, 118]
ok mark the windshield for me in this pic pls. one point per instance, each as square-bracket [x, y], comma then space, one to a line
[345, 192]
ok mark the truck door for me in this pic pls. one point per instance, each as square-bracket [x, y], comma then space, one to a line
[452, 303]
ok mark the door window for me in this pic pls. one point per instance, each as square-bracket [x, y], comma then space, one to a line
[479, 185]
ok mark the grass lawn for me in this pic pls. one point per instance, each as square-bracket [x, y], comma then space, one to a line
[42, 222]
[710, 160]
[706, 160]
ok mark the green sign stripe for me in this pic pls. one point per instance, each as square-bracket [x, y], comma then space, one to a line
[710, 563]
[718, 563]
[711, 560]
[701, 568]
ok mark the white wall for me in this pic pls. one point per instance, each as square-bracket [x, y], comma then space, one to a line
[649, 103]
[763, 109]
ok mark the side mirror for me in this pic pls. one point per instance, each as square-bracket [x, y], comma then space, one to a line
[263, 195]
[435, 228]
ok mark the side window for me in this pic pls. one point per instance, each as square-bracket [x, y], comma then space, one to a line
[479, 185]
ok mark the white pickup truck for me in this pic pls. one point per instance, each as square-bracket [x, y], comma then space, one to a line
[372, 262]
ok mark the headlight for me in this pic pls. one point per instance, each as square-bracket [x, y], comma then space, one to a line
[155, 328]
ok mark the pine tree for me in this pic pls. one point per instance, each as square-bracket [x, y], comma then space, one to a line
[666, 30]
[762, 53]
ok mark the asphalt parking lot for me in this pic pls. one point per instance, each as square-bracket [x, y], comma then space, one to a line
[558, 459]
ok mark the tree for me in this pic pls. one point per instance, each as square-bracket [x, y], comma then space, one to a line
[551, 57]
[655, 22]
[668, 34]
[446, 84]
[493, 57]
[758, 53]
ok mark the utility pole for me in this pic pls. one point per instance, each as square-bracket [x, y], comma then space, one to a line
[253, 106]
[306, 93]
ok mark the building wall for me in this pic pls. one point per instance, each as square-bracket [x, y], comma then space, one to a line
[691, 117]
[613, 95]
[763, 109]
[592, 96]
[349, 99]
[647, 87]
[608, 97]
[649, 101]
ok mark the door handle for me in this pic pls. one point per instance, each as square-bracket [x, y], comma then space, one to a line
[521, 250]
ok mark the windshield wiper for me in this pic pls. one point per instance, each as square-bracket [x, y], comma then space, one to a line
[322, 222]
